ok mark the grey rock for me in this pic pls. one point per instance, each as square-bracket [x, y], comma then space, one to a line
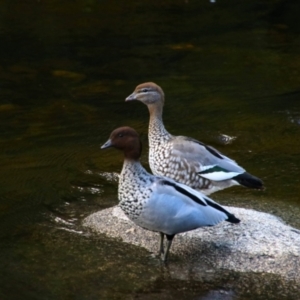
[260, 243]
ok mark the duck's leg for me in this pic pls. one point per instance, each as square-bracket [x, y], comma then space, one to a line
[169, 243]
[161, 246]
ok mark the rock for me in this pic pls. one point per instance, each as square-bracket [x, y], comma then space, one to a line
[260, 243]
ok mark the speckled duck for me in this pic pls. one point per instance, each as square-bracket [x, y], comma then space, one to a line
[184, 159]
[157, 203]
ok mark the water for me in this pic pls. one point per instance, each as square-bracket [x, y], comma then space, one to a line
[227, 68]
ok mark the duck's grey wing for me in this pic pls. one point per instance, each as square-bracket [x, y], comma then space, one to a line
[174, 207]
[204, 159]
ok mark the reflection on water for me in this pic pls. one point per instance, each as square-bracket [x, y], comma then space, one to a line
[230, 71]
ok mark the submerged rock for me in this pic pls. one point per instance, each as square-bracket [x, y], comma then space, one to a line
[260, 243]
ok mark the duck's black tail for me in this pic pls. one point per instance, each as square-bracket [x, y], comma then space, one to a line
[232, 219]
[249, 181]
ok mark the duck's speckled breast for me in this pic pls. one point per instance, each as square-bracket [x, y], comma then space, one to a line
[134, 190]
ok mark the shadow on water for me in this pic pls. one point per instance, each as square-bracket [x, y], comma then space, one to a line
[230, 71]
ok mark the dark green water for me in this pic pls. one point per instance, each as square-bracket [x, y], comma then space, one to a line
[230, 67]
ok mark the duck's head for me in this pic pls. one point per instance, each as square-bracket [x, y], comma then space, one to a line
[149, 93]
[127, 140]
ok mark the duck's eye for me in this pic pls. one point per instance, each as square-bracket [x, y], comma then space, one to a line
[120, 135]
[144, 90]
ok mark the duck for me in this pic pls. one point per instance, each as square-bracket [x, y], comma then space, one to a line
[158, 203]
[185, 159]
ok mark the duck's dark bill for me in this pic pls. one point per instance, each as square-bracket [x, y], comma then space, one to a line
[106, 145]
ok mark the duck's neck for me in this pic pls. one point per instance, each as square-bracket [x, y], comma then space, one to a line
[157, 131]
[132, 170]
